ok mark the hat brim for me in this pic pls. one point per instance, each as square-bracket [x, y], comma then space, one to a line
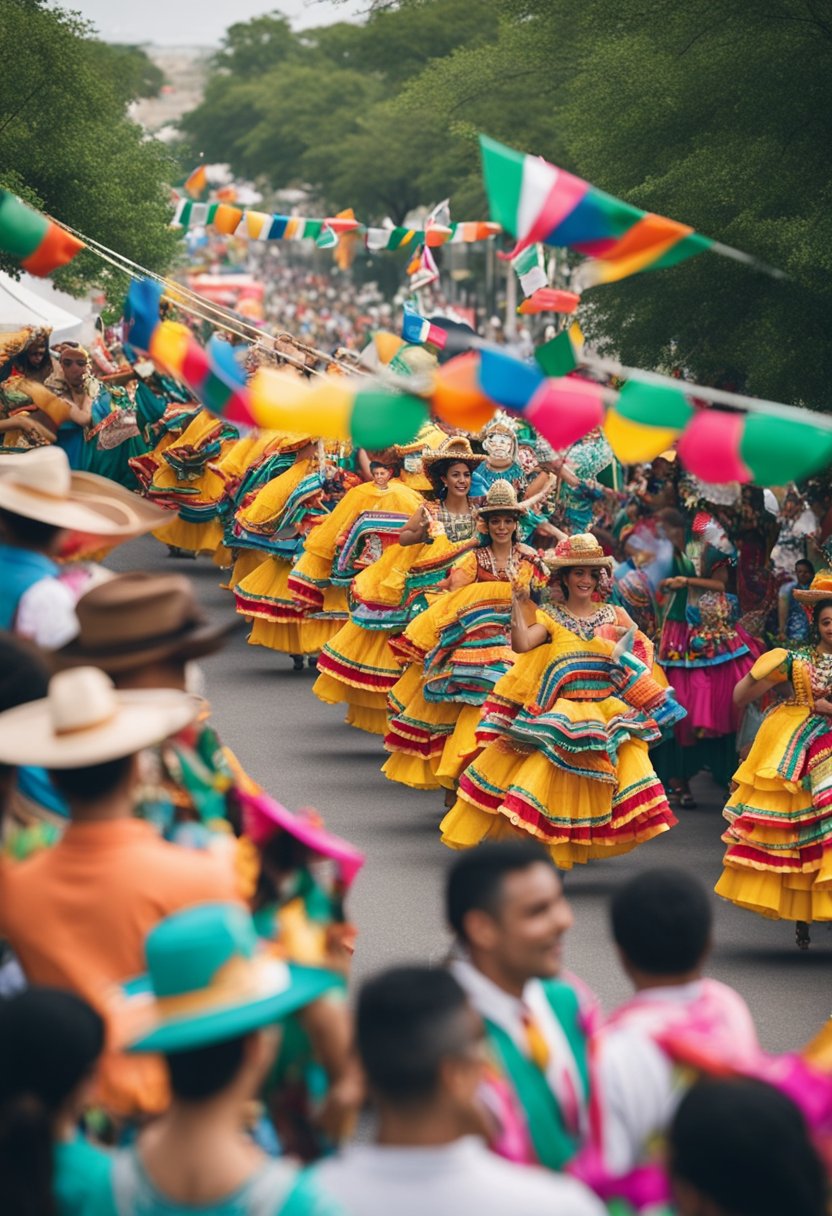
[196, 643]
[593, 563]
[485, 512]
[263, 817]
[184, 1033]
[473, 461]
[143, 717]
[94, 507]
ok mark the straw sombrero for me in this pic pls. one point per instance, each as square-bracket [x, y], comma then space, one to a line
[208, 980]
[820, 589]
[582, 549]
[456, 449]
[501, 499]
[84, 721]
[40, 485]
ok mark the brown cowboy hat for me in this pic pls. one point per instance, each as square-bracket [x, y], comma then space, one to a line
[134, 619]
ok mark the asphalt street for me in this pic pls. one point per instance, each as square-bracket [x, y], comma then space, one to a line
[304, 754]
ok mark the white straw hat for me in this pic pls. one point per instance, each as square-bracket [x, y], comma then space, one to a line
[84, 720]
[40, 485]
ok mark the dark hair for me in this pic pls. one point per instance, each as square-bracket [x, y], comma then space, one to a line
[409, 1020]
[435, 473]
[24, 675]
[282, 852]
[804, 561]
[661, 921]
[820, 607]
[475, 878]
[201, 1072]
[92, 782]
[27, 533]
[49, 1042]
[745, 1146]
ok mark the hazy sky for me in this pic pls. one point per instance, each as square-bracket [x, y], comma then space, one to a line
[200, 22]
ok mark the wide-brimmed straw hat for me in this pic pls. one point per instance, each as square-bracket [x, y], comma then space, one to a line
[40, 485]
[83, 721]
[263, 817]
[820, 589]
[582, 549]
[456, 449]
[208, 980]
[134, 619]
[501, 499]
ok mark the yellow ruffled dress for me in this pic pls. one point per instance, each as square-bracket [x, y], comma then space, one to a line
[282, 508]
[457, 649]
[779, 857]
[187, 481]
[564, 740]
[357, 666]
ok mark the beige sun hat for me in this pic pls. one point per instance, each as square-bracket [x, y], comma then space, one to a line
[456, 449]
[40, 485]
[84, 720]
[501, 499]
[582, 549]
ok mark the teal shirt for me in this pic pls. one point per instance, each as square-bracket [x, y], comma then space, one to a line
[277, 1189]
[81, 1181]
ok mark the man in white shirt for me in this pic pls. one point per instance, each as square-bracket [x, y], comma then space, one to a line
[661, 923]
[422, 1048]
[506, 906]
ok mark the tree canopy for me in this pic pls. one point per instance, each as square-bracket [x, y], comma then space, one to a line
[711, 112]
[68, 147]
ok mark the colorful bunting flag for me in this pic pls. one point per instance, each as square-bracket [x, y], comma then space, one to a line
[562, 354]
[419, 330]
[196, 183]
[538, 202]
[38, 244]
[550, 299]
[646, 420]
[528, 267]
[335, 407]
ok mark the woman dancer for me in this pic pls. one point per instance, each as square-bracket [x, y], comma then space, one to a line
[457, 649]
[357, 666]
[779, 857]
[565, 733]
[705, 652]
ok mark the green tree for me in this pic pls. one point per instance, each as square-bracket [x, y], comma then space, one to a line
[68, 147]
[322, 110]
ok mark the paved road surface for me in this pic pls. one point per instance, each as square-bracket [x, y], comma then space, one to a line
[303, 753]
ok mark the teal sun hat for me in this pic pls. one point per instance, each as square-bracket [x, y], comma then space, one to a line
[208, 980]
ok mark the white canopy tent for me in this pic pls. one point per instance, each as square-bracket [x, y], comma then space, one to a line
[28, 302]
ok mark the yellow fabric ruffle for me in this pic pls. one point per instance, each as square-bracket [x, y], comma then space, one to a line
[271, 499]
[195, 538]
[777, 896]
[459, 747]
[373, 721]
[246, 563]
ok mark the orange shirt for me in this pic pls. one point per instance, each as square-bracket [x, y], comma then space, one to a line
[77, 915]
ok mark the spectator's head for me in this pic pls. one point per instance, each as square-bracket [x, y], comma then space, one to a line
[50, 1042]
[661, 923]
[421, 1045]
[88, 735]
[211, 1002]
[740, 1148]
[505, 903]
[804, 572]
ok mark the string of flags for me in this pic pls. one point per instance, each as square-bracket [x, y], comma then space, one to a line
[253, 225]
[537, 202]
[38, 244]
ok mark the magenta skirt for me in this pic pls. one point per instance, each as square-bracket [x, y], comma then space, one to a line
[706, 690]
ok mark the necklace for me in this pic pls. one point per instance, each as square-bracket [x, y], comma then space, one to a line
[488, 560]
[583, 626]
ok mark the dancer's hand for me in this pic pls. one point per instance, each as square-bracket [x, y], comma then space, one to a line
[823, 706]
